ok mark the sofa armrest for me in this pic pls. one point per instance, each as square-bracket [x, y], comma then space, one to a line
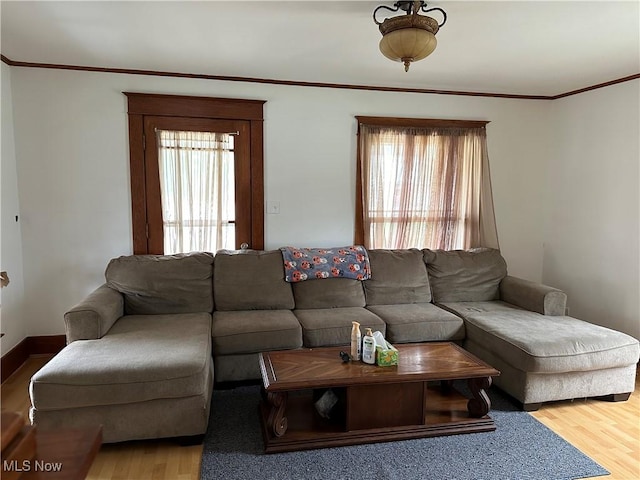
[94, 316]
[533, 296]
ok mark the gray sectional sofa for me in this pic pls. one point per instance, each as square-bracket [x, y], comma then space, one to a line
[143, 349]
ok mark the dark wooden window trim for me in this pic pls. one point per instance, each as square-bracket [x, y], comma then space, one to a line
[419, 122]
[358, 236]
[142, 104]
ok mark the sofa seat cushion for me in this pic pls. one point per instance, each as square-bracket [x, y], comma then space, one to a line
[550, 344]
[254, 331]
[397, 277]
[141, 358]
[419, 322]
[325, 327]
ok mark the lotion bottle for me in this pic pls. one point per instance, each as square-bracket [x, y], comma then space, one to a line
[369, 348]
[356, 344]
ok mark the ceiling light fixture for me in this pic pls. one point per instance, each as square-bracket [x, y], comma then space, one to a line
[411, 37]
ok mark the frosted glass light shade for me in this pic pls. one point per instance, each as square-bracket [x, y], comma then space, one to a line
[408, 38]
[408, 45]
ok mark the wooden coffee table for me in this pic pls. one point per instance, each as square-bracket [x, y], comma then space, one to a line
[411, 400]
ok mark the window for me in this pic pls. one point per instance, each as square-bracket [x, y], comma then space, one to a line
[197, 190]
[196, 173]
[423, 184]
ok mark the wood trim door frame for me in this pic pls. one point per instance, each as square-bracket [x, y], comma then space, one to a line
[144, 104]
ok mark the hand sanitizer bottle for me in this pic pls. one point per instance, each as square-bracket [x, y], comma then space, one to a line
[369, 348]
[356, 344]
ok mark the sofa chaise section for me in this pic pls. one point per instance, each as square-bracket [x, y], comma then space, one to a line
[519, 327]
[149, 377]
[545, 358]
[138, 355]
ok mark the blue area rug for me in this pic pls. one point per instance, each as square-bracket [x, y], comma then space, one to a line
[521, 448]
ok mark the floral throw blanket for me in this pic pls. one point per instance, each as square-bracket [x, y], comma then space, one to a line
[340, 262]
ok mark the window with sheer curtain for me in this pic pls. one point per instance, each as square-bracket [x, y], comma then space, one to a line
[197, 190]
[424, 185]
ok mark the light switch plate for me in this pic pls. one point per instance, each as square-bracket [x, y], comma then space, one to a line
[273, 208]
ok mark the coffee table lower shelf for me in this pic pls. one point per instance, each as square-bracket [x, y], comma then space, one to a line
[445, 413]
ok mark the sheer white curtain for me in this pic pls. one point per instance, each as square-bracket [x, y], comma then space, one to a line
[426, 188]
[197, 190]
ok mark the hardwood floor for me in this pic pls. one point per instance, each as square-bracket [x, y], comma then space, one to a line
[607, 432]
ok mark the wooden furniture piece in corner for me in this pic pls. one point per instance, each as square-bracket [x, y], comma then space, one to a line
[18, 445]
[28, 453]
[411, 400]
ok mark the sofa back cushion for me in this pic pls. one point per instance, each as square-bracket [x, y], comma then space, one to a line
[328, 293]
[397, 277]
[251, 280]
[163, 284]
[465, 275]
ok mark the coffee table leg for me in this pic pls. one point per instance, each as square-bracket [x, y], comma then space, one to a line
[277, 422]
[480, 404]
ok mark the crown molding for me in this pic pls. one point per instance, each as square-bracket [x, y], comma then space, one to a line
[595, 87]
[344, 86]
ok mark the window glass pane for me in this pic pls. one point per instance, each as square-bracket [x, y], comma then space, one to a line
[197, 189]
[425, 188]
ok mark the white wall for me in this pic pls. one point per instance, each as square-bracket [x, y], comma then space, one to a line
[12, 297]
[71, 140]
[592, 233]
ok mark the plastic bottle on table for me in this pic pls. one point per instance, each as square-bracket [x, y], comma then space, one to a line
[369, 348]
[356, 344]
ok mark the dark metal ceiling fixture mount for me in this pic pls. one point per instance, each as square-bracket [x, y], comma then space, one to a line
[410, 37]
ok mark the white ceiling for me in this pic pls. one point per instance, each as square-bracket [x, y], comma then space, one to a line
[509, 47]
